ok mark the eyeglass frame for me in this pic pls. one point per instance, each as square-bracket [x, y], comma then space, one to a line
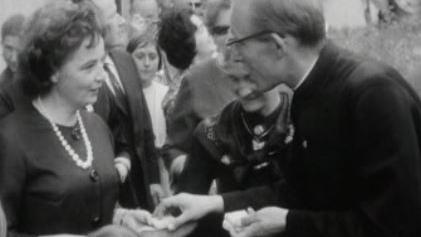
[231, 42]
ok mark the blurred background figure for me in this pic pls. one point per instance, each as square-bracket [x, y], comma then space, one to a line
[185, 40]
[11, 43]
[144, 16]
[204, 91]
[116, 27]
[148, 59]
[197, 6]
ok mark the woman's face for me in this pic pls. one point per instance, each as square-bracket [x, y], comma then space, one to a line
[79, 79]
[147, 59]
[221, 28]
[204, 42]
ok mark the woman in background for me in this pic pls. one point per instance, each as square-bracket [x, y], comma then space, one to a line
[148, 59]
[57, 164]
[186, 41]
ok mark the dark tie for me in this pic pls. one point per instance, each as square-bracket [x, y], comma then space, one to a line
[118, 91]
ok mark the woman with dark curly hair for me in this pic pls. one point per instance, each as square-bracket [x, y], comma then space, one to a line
[184, 38]
[57, 162]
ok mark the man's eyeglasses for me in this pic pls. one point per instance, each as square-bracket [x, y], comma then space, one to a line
[234, 40]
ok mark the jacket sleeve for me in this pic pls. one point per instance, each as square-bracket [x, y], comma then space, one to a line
[183, 120]
[199, 169]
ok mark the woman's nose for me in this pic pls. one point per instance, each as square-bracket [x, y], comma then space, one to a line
[146, 62]
[102, 74]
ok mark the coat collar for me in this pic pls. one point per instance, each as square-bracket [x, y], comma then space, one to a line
[320, 74]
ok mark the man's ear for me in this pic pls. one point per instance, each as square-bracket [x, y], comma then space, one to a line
[279, 42]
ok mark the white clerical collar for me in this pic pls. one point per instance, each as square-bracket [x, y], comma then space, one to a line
[306, 74]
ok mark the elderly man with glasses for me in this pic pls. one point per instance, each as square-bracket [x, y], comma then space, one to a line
[355, 165]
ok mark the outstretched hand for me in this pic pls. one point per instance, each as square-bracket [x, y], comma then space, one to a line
[192, 207]
[264, 222]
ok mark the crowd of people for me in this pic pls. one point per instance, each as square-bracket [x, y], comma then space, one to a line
[201, 118]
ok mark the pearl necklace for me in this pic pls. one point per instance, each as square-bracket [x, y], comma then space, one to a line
[75, 157]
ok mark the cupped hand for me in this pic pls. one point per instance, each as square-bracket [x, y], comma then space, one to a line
[192, 207]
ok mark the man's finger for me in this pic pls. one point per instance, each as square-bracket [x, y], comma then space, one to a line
[131, 224]
[179, 221]
[142, 216]
[160, 210]
[250, 219]
[155, 198]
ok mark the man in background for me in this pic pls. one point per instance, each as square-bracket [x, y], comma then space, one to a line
[122, 105]
[11, 43]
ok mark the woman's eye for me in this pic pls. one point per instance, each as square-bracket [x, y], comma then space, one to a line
[140, 56]
[152, 56]
[89, 66]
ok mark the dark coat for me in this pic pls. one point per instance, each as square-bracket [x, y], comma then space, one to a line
[132, 129]
[355, 168]
[12, 96]
[42, 190]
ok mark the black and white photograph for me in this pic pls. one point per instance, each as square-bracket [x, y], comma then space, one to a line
[210, 118]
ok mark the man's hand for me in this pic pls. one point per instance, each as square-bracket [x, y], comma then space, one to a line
[177, 165]
[265, 222]
[192, 207]
[157, 193]
[123, 166]
[123, 172]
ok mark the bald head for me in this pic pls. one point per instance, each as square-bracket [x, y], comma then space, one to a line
[302, 19]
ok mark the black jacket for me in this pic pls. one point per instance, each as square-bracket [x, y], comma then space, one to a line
[132, 129]
[355, 168]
